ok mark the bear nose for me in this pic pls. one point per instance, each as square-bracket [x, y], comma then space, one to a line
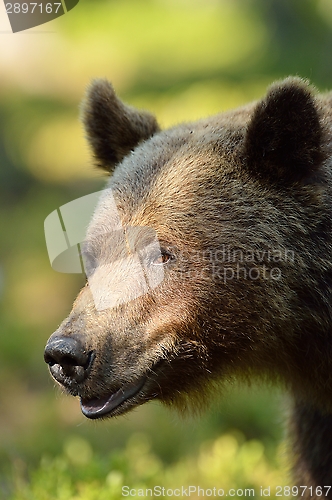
[67, 359]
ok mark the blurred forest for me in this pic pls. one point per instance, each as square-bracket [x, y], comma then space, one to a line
[181, 59]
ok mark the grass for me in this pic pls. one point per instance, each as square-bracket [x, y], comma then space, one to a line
[229, 463]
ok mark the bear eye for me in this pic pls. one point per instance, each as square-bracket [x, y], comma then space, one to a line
[161, 258]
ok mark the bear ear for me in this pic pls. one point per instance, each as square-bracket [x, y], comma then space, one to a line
[284, 136]
[113, 128]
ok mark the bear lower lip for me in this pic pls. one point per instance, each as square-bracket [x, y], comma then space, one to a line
[98, 407]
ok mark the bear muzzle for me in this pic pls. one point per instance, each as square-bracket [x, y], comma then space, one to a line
[114, 403]
[69, 362]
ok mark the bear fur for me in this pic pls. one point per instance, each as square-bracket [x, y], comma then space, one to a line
[241, 206]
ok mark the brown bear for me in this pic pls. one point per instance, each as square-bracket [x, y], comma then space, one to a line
[240, 205]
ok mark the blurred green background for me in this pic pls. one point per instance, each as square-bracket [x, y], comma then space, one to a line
[182, 59]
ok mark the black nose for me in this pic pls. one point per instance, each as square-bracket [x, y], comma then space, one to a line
[68, 360]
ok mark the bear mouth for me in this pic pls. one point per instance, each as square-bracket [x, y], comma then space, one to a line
[112, 403]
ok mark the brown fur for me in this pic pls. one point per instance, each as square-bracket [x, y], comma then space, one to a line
[255, 179]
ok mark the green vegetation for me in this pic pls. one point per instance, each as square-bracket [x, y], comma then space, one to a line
[182, 59]
[228, 463]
